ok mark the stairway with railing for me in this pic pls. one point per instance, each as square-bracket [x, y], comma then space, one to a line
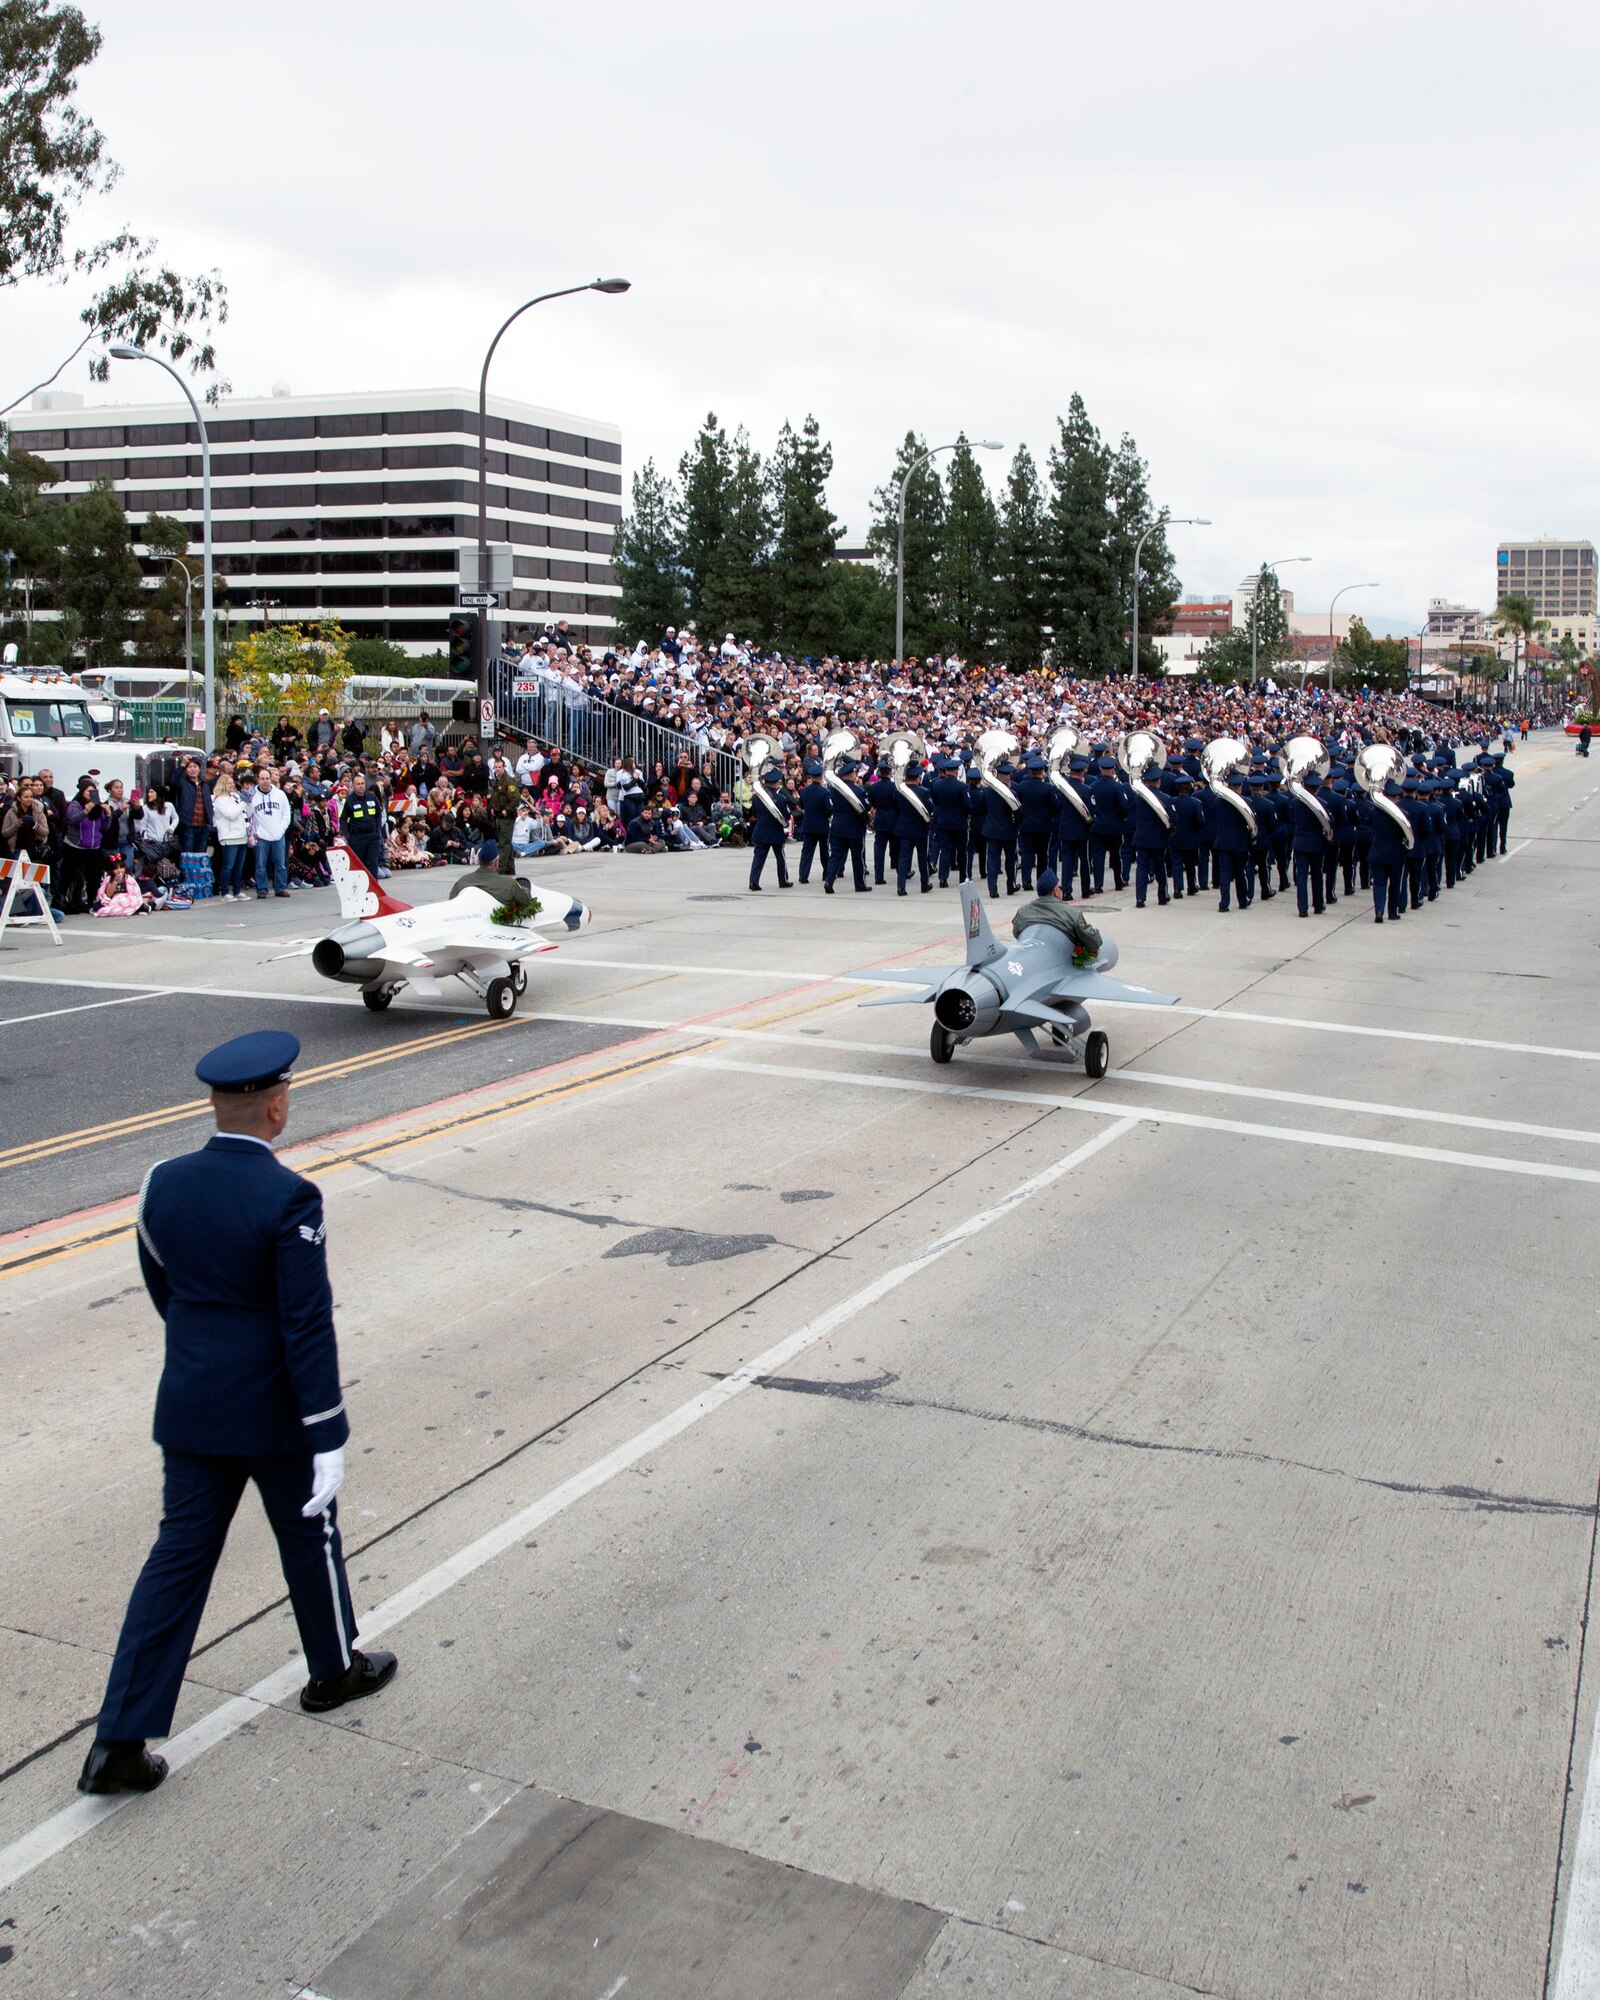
[588, 729]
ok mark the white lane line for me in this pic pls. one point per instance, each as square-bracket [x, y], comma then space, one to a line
[1578, 1972]
[60, 1831]
[815, 979]
[1292, 1134]
[84, 1007]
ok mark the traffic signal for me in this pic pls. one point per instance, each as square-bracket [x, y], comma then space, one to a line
[466, 647]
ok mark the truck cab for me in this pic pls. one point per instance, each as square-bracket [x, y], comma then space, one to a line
[46, 725]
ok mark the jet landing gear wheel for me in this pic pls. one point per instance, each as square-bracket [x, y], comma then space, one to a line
[377, 998]
[1096, 1054]
[501, 999]
[941, 1044]
[519, 977]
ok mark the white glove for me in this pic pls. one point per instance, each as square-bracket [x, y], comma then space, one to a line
[327, 1476]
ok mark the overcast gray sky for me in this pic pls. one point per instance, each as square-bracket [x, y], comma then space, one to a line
[1333, 266]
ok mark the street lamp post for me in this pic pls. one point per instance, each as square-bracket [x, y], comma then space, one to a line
[188, 620]
[1255, 598]
[125, 353]
[1162, 521]
[1332, 601]
[979, 444]
[607, 285]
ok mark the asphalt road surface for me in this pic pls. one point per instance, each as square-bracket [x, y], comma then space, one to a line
[851, 1527]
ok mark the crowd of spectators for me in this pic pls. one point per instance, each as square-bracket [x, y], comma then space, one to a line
[405, 795]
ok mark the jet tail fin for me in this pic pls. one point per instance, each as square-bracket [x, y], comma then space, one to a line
[359, 894]
[982, 944]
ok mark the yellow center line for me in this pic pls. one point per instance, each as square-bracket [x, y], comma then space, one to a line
[175, 1114]
[336, 1162]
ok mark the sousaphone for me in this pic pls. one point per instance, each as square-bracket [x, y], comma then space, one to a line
[1224, 757]
[1065, 742]
[905, 747]
[992, 746]
[758, 754]
[1378, 765]
[1139, 751]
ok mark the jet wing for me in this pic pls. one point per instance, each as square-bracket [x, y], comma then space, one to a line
[493, 941]
[1096, 986]
[925, 980]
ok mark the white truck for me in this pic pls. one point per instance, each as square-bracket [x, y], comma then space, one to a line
[45, 725]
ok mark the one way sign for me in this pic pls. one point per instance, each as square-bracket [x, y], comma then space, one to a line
[479, 600]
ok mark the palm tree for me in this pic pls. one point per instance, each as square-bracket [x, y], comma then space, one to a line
[1517, 616]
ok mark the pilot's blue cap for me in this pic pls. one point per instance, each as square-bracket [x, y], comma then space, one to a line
[1049, 880]
[1034, 761]
[488, 854]
[249, 1062]
[944, 763]
[813, 768]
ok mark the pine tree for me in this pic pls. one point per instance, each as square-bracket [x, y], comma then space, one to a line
[1270, 624]
[736, 587]
[27, 543]
[967, 557]
[805, 534]
[1021, 609]
[924, 542]
[97, 577]
[647, 559]
[1083, 597]
[1131, 515]
[704, 473]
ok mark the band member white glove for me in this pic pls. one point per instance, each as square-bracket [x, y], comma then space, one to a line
[327, 1476]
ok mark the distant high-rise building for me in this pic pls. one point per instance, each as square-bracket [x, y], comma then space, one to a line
[1560, 578]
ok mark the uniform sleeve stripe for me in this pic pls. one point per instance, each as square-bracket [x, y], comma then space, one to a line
[144, 1234]
[322, 1416]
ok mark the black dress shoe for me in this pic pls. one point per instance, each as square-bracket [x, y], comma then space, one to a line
[827, 888]
[900, 892]
[366, 1673]
[120, 1767]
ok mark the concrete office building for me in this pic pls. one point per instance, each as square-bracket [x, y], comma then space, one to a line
[1559, 578]
[356, 507]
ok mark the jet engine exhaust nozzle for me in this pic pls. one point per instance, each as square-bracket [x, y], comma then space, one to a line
[962, 1011]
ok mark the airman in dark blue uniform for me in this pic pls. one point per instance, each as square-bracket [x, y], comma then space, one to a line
[1189, 836]
[1386, 863]
[847, 831]
[1311, 846]
[232, 1248]
[1230, 843]
[948, 797]
[769, 829]
[1073, 822]
[885, 823]
[977, 806]
[1112, 818]
[1037, 800]
[1151, 833]
[1000, 833]
[815, 814]
[913, 832]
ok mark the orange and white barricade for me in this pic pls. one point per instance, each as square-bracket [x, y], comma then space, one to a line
[27, 878]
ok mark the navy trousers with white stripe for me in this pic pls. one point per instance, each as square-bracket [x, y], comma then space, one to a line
[200, 1498]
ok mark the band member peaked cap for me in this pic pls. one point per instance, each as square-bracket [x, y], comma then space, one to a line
[257, 1061]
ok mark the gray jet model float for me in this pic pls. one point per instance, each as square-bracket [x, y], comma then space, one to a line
[1016, 989]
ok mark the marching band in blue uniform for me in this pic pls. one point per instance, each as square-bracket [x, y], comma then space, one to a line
[233, 1250]
[1092, 822]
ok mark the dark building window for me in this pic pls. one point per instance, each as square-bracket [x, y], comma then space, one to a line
[569, 572]
[286, 530]
[285, 427]
[368, 425]
[357, 560]
[421, 593]
[360, 593]
[602, 510]
[352, 528]
[165, 434]
[163, 468]
[408, 492]
[231, 430]
[603, 482]
[534, 435]
[602, 573]
[603, 448]
[599, 545]
[365, 493]
[286, 461]
[422, 559]
[411, 527]
[296, 563]
[231, 463]
[567, 538]
[284, 496]
[530, 566]
[560, 504]
[39, 440]
[565, 475]
[107, 437]
[404, 423]
[418, 628]
[565, 441]
[296, 599]
[350, 461]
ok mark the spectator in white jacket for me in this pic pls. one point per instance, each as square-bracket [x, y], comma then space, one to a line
[269, 822]
[231, 818]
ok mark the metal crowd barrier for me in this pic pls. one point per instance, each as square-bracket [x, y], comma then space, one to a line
[594, 732]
